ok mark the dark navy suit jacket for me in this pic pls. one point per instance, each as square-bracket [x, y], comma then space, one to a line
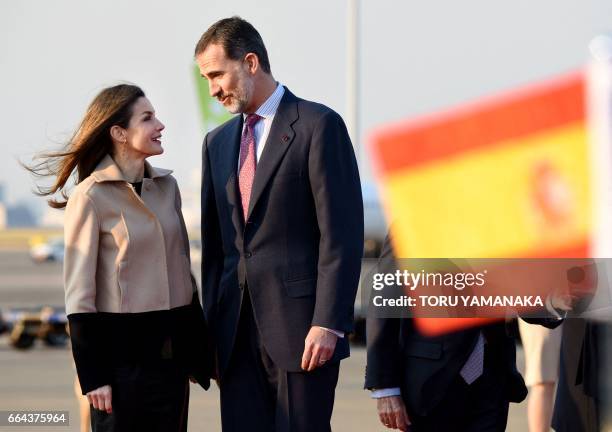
[299, 250]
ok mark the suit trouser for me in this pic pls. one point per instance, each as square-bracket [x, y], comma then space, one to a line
[151, 397]
[258, 396]
[479, 407]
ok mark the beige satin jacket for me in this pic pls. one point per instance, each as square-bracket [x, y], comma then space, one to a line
[126, 253]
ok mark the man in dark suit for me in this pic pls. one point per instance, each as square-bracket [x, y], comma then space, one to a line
[462, 381]
[282, 240]
[578, 398]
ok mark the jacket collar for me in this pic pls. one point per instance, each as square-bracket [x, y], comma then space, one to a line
[107, 170]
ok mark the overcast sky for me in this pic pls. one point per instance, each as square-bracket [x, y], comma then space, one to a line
[416, 57]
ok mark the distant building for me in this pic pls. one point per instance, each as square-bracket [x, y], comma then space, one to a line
[20, 216]
[14, 216]
[3, 210]
[3, 217]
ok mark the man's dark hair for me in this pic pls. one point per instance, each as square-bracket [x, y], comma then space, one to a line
[238, 38]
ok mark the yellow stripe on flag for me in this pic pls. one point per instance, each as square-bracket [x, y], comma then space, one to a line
[484, 203]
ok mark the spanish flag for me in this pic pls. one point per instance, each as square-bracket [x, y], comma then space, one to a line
[505, 177]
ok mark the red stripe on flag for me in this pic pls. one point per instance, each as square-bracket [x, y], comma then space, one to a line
[581, 249]
[509, 116]
[440, 326]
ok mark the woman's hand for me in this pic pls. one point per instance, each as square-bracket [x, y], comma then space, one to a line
[101, 398]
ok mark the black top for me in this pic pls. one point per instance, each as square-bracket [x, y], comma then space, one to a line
[102, 341]
[137, 187]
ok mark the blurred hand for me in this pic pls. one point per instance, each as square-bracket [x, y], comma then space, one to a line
[392, 413]
[319, 347]
[564, 302]
[101, 398]
[582, 284]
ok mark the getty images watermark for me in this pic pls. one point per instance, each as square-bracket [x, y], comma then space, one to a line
[483, 287]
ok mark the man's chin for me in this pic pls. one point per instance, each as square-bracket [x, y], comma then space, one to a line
[235, 106]
[233, 109]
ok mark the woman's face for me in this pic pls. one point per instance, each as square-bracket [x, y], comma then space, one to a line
[143, 134]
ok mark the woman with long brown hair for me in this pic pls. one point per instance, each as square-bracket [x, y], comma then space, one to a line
[136, 324]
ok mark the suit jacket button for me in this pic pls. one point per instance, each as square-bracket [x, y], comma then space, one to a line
[248, 255]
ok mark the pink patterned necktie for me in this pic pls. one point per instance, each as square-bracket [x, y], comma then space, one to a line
[247, 162]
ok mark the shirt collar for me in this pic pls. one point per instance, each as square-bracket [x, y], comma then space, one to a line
[270, 106]
[107, 170]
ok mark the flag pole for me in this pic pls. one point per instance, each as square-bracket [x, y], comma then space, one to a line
[352, 75]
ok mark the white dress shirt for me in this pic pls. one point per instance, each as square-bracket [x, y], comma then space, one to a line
[261, 129]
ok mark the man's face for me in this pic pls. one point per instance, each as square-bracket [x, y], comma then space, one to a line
[228, 80]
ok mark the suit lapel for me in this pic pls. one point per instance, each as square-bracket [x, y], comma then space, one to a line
[279, 139]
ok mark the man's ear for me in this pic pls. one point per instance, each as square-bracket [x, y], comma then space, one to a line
[118, 134]
[252, 62]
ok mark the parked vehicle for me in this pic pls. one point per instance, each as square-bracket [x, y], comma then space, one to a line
[49, 251]
[24, 326]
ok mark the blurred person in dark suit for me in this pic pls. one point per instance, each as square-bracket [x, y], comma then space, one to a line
[583, 396]
[580, 393]
[461, 381]
[282, 240]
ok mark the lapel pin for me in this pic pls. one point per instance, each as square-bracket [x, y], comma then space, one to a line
[285, 138]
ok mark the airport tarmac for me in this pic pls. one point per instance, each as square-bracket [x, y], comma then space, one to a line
[42, 378]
